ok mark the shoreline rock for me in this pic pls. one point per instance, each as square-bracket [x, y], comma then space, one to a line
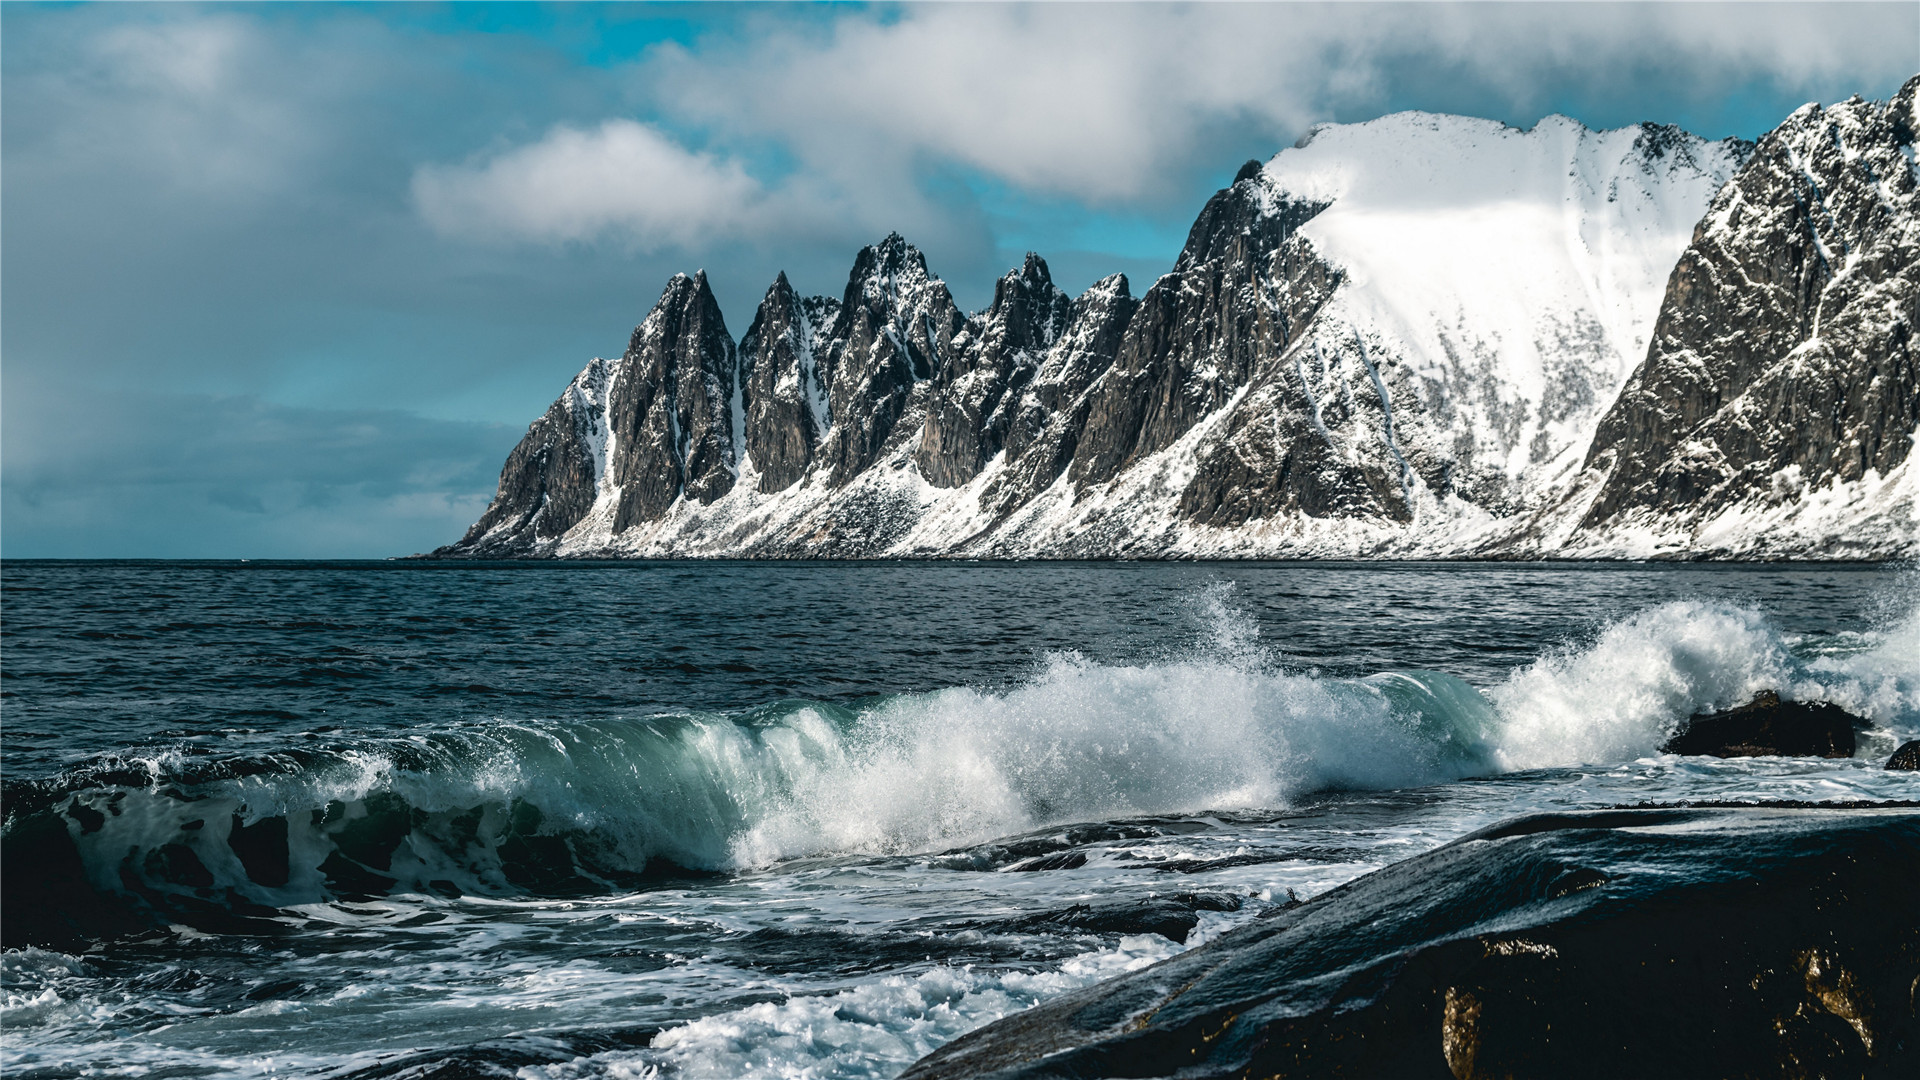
[1753, 941]
[1768, 726]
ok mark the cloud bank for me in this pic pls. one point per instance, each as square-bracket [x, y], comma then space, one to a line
[1112, 105]
[236, 477]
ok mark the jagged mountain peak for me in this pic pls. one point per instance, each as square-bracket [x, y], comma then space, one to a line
[1032, 272]
[892, 255]
[890, 280]
[683, 281]
[1248, 210]
[1394, 338]
[1113, 285]
[1796, 430]
[1025, 285]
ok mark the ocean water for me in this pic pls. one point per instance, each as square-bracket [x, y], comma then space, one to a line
[738, 820]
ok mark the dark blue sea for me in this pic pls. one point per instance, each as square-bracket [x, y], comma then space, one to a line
[559, 820]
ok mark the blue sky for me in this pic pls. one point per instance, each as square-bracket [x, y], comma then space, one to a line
[290, 280]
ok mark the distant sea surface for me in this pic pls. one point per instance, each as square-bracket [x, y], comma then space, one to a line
[557, 820]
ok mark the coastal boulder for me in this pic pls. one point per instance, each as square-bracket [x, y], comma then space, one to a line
[1907, 757]
[1768, 726]
[1752, 941]
[1173, 916]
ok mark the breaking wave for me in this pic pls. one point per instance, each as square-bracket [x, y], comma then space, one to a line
[579, 807]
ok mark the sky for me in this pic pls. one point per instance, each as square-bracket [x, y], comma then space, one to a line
[289, 281]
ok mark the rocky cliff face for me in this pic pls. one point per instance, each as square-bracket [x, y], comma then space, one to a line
[1047, 414]
[896, 329]
[549, 482]
[969, 407]
[1398, 338]
[629, 438]
[1203, 330]
[1782, 371]
[671, 408]
[783, 382]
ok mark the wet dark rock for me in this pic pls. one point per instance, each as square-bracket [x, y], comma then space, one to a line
[1059, 842]
[1655, 943]
[1065, 860]
[1173, 916]
[504, 1058]
[1768, 726]
[1907, 757]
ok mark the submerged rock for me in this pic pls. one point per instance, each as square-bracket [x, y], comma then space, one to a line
[1172, 916]
[1755, 941]
[1768, 726]
[1907, 757]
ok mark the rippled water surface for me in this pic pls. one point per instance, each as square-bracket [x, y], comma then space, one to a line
[729, 820]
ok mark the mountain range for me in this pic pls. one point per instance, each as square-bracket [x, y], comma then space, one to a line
[1422, 336]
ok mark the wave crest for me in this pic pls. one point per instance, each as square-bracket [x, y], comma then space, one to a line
[573, 807]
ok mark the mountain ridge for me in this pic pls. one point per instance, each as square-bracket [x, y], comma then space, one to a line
[1395, 339]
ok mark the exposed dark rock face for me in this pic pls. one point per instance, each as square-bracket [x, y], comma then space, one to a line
[970, 407]
[671, 407]
[1304, 439]
[1768, 726]
[1648, 943]
[1907, 757]
[1200, 331]
[1049, 412]
[656, 424]
[783, 388]
[1783, 358]
[549, 481]
[897, 326]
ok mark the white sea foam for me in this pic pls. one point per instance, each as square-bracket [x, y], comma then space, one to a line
[871, 1030]
[1622, 695]
[1224, 726]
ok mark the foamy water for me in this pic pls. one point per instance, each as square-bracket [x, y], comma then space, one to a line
[815, 887]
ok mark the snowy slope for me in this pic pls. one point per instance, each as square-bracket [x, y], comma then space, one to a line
[1397, 338]
[1515, 275]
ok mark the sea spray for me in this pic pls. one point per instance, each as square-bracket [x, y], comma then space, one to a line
[564, 808]
[1623, 694]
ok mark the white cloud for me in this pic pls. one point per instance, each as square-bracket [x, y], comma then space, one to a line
[1105, 105]
[1111, 103]
[623, 179]
[190, 102]
[197, 58]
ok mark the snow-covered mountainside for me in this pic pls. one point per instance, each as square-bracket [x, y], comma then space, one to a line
[1397, 338]
[1777, 411]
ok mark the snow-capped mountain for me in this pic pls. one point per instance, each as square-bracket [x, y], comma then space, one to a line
[1777, 410]
[1395, 338]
